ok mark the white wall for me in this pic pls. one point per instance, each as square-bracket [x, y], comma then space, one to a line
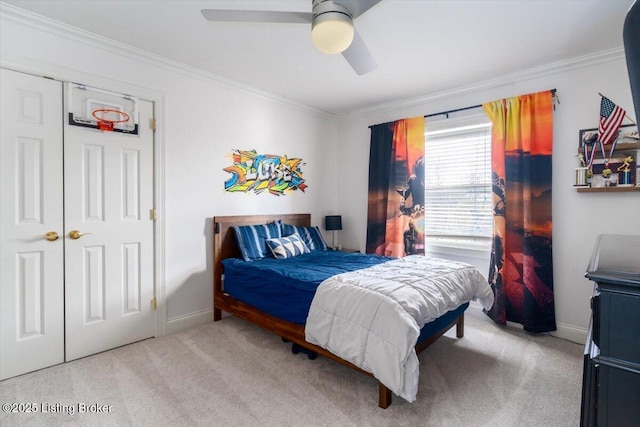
[577, 218]
[201, 120]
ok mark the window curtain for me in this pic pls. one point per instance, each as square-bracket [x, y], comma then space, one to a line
[521, 266]
[395, 219]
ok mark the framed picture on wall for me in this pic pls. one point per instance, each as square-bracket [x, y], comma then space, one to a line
[628, 134]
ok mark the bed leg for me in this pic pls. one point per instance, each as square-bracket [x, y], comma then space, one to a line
[217, 314]
[460, 326]
[384, 398]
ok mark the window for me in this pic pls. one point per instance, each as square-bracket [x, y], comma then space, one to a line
[458, 195]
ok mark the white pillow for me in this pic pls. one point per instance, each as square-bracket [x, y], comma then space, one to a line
[287, 247]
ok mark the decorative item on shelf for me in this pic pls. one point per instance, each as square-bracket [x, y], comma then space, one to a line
[624, 172]
[581, 177]
[629, 137]
[611, 117]
[581, 172]
[588, 141]
[333, 223]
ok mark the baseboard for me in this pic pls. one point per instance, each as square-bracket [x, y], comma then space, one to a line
[566, 332]
[187, 321]
[571, 333]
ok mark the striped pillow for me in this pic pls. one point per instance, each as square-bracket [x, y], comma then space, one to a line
[287, 247]
[252, 239]
[311, 236]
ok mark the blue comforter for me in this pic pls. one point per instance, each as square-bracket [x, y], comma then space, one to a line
[285, 287]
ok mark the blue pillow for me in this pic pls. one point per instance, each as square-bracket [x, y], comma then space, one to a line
[252, 239]
[287, 247]
[311, 236]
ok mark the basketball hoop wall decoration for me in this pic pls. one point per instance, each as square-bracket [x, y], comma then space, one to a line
[101, 110]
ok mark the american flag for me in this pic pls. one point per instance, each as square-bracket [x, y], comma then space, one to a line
[611, 117]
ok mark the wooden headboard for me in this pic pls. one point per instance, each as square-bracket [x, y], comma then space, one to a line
[224, 240]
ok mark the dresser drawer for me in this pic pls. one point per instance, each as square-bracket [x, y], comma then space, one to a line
[618, 400]
[619, 326]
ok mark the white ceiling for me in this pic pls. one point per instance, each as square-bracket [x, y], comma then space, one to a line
[421, 46]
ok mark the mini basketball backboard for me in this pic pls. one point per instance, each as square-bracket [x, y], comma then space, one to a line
[102, 110]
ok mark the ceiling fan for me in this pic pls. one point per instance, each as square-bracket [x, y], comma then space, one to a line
[332, 29]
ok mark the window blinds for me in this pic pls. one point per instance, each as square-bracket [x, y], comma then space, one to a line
[458, 202]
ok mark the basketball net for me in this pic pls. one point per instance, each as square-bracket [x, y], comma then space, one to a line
[105, 124]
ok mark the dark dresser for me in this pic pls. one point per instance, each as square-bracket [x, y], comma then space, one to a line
[611, 375]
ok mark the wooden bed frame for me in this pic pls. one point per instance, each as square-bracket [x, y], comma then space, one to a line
[225, 246]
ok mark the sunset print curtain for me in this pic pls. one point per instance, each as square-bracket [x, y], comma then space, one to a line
[395, 220]
[521, 267]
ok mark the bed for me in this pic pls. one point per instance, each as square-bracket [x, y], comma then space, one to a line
[284, 313]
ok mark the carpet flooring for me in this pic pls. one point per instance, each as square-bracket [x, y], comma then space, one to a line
[231, 373]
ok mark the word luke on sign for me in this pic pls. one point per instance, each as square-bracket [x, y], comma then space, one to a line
[259, 172]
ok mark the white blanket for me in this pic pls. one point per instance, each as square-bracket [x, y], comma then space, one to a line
[372, 317]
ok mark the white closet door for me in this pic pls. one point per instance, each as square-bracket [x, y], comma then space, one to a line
[109, 279]
[31, 267]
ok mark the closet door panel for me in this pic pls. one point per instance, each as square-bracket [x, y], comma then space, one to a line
[31, 216]
[109, 282]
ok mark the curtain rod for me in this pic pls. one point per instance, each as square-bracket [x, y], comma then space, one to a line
[553, 93]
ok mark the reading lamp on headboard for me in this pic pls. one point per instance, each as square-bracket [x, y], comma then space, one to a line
[631, 36]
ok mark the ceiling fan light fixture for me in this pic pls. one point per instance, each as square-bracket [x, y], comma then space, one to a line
[332, 32]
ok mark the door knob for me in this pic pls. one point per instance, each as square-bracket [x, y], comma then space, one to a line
[51, 236]
[75, 234]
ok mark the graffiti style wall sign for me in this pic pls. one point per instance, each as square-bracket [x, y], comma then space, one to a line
[259, 172]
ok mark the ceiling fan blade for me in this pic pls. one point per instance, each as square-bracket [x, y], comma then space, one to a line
[357, 7]
[257, 16]
[359, 57]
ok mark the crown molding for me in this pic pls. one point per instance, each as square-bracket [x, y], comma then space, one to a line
[503, 80]
[51, 26]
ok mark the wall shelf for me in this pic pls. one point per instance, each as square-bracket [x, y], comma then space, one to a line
[627, 147]
[619, 148]
[622, 150]
[606, 189]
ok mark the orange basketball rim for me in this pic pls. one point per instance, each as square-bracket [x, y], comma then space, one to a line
[107, 124]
